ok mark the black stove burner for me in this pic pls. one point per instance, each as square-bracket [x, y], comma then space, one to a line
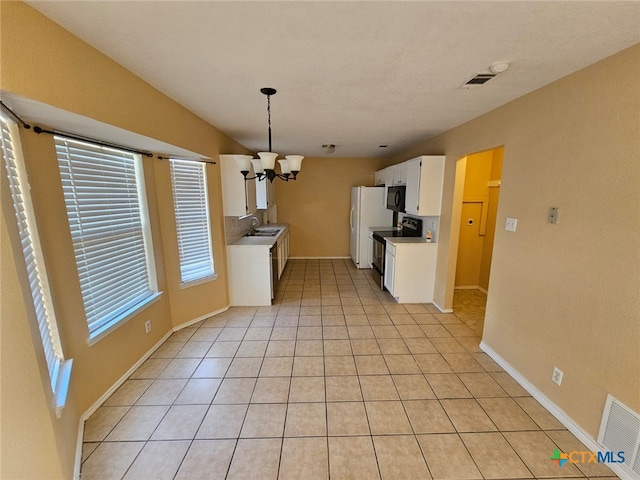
[411, 227]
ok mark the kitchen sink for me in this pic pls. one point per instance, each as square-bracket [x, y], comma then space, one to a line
[262, 234]
[271, 231]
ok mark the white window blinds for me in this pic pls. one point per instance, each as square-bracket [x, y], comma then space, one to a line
[39, 286]
[106, 207]
[191, 205]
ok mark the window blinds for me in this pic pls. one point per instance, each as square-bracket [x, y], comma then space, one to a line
[191, 206]
[19, 187]
[104, 196]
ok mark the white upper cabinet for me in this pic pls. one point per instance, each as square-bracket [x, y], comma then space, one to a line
[265, 194]
[238, 195]
[399, 174]
[383, 177]
[425, 176]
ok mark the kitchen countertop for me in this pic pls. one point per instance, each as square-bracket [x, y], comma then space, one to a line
[262, 241]
[397, 240]
[400, 240]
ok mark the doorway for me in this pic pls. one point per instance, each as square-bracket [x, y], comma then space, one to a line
[480, 174]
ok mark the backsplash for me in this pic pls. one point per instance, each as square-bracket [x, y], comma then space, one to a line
[428, 223]
[235, 227]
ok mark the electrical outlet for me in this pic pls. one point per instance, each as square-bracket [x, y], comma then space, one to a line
[557, 376]
[147, 326]
[511, 225]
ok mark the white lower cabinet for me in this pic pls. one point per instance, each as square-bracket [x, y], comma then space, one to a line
[410, 271]
[249, 271]
[283, 253]
[253, 270]
[390, 268]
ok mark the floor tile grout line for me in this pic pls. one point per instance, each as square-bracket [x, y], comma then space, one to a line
[352, 355]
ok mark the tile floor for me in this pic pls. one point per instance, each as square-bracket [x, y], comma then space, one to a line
[335, 380]
[469, 306]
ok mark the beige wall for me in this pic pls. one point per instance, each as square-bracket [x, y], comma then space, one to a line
[492, 216]
[43, 62]
[34, 443]
[317, 205]
[562, 295]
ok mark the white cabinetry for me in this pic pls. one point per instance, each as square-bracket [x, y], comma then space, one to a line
[238, 195]
[251, 267]
[265, 194]
[283, 252]
[249, 271]
[384, 176]
[425, 176]
[410, 271]
[390, 268]
[399, 176]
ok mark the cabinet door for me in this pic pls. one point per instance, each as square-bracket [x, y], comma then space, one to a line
[286, 249]
[265, 194]
[399, 173]
[262, 201]
[425, 176]
[238, 195]
[389, 271]
[412, 196]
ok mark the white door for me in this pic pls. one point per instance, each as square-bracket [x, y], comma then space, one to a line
[354, 219]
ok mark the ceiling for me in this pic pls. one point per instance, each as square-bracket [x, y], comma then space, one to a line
[354, 74]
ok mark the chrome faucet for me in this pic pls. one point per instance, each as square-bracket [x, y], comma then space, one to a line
[254, 223]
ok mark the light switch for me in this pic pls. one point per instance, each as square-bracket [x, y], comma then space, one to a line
[553, 215]
[511, 224]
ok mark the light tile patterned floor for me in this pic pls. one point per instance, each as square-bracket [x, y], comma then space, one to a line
[335, 380]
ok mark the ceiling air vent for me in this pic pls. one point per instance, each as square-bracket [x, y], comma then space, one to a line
[479, 80]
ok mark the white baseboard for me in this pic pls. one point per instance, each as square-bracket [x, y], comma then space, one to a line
[103, 398]
[554, 410]
[319, 258]
[200, 318]
[471, 287]
[443, 310]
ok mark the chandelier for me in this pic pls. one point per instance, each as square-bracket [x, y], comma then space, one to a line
[265, 166]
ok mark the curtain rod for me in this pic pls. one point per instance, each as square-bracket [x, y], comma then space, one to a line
[81, 138]
[14, 115]
[187, 159]
[70, 136]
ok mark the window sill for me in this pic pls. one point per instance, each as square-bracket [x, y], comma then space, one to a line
[199, 281]
[62, 387]
[121, 320]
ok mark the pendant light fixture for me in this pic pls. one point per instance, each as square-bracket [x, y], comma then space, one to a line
[265, 166]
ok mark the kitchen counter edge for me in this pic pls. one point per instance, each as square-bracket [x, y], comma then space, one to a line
[262, 241]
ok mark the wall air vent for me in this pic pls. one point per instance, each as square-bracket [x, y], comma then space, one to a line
[479, 80]
[620, 432]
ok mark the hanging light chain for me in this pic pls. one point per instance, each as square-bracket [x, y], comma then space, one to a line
[269, 118]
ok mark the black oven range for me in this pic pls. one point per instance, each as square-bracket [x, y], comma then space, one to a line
[411, 227]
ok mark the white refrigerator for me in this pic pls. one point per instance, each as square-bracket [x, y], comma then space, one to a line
[367, 210]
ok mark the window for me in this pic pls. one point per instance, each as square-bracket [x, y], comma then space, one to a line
[191, 205]
[106, 207]
[59, 368]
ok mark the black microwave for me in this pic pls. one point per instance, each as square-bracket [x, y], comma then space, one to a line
[395, 198]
